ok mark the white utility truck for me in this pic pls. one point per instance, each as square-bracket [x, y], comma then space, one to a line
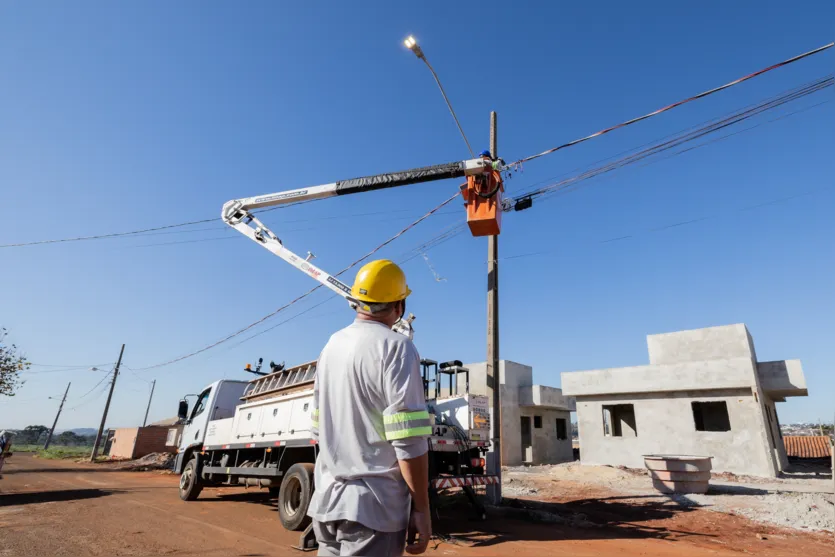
[257, 433]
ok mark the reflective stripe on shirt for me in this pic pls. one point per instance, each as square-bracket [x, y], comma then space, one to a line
[403, 425]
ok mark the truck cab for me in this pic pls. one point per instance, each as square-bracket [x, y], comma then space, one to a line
[216, 402]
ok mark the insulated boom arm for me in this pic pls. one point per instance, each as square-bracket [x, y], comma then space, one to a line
[238, 212]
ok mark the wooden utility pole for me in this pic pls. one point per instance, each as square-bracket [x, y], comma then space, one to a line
[107, 406]
[58, 415]
[150, 398]
[494, 492]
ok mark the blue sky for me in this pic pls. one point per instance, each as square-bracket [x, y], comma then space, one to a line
[123, 116]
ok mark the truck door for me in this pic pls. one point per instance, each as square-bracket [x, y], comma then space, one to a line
[195, 429]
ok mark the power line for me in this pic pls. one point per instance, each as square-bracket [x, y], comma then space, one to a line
[655, 148]
[306, 294]
[268, 329]
[103, 379]
[137, 232]
[714, 126]
[101, 391]
[70, 365]
[156, 230]
[530, 187]
[676, 104]
[457, 228]
[133, 372]
[677, 224]
[103, 236]
[220, 238]
[69, 369]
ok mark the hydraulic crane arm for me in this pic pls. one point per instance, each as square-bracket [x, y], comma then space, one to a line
[238, 212]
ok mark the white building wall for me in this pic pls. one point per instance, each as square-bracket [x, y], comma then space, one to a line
[547, 449]
[665, 425]
[716, 363]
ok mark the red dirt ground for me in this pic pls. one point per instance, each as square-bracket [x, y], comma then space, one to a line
[65, 508]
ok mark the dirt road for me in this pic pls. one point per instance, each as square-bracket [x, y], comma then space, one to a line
[64, 508]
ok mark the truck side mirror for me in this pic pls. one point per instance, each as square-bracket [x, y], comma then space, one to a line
[182, 410]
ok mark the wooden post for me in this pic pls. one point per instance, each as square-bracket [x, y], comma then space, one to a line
[107, 406]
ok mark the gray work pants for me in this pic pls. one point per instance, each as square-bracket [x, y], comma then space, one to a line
[343, 537]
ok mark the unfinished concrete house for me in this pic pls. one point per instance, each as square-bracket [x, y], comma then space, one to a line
[536, 425]
[703, 393]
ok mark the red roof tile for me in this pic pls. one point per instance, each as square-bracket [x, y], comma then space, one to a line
[806, 446]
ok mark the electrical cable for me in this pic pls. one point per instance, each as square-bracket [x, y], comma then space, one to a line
[675, 104]
[694, 133]
[304, 295]
[100, 392]
[268, 329]
[94, 387]
[68, 369]
[71, 365]
[103, 236]
[677, 224]
[654, 141]
[456, 229]
[516, 163]
[132, 372]
[220, 238]
[687, 137]
[143, 231]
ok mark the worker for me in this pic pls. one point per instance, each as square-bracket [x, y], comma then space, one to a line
[5, 448]
[369, 417]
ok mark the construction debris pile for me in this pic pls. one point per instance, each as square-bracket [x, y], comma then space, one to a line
[152, 461]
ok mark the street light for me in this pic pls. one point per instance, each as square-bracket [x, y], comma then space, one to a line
[412, 45]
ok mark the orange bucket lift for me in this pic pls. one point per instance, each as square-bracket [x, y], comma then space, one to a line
[483, 199]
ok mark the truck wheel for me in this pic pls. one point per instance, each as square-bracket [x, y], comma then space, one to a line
[190, 483]
[294, 496]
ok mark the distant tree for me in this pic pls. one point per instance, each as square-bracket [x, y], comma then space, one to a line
[71, 439]
[11, 364]
[31, 435]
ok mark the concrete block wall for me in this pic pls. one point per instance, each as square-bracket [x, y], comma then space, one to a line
[712, 343]
[775, 435]
[136, 442]
[540, 395]
[665, 425]
[676, 376]
[151, 440]
[519, 395]
[702, 362]
[547, 449]
[124, 439]
[782, 378]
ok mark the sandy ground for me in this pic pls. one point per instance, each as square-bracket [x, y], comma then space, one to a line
[801, 502]
[68, 508]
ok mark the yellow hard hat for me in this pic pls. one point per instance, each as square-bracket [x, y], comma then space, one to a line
[380, 282]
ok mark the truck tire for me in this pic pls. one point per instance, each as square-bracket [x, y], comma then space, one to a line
[190, 483]
[294, 496]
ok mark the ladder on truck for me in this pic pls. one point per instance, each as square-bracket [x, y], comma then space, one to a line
[293, 378]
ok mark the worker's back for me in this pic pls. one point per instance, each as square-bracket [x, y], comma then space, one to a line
[366, 372]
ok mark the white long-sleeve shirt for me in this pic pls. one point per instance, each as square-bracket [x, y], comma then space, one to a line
[369, 410]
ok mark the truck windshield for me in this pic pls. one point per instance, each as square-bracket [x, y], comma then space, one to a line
[200, 405]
